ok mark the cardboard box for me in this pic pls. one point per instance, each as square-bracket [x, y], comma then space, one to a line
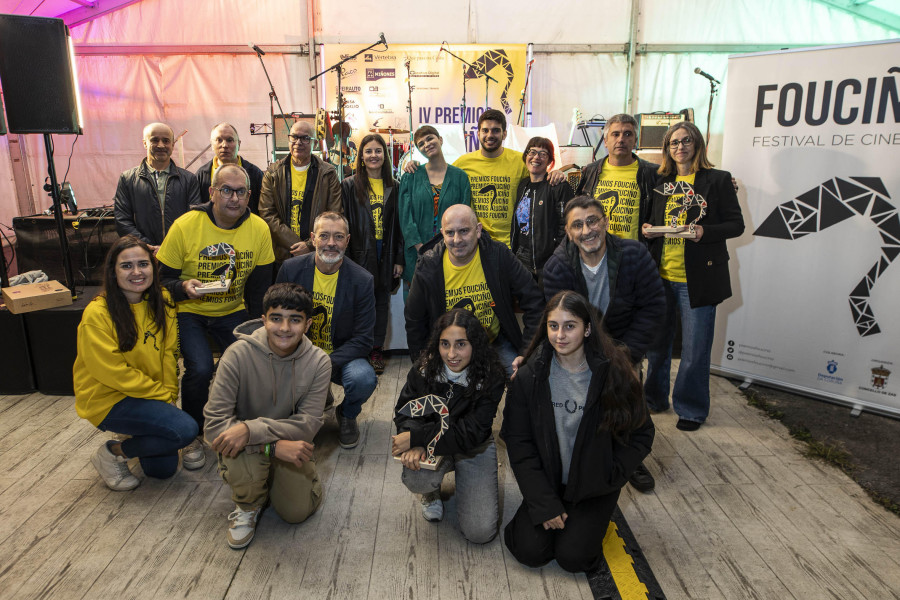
[36, 296]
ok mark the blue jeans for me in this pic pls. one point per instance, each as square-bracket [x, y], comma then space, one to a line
[358, 379]
[505, 351]
[158, 430]
[477, 495]
[198, 358]
[690, 397]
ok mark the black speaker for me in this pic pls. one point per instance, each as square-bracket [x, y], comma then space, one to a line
[15, 368]
[652, 128]
[53, 340]
[37, 75]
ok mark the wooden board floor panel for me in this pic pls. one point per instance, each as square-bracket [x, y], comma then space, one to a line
[737, 513]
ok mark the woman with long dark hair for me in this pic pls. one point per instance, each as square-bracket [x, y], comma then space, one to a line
[694, 270]
[376, 242]
[576, 427]
[459, 366]
[538, 225]
[125, 373]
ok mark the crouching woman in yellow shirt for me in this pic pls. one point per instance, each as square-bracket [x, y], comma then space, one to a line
[125, 376]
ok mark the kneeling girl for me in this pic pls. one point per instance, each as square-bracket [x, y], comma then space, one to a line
[460, 367]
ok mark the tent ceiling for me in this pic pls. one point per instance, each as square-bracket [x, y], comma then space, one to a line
[73, 12]
[868, 10]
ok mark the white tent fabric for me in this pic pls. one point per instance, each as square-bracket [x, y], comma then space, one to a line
[192, 91]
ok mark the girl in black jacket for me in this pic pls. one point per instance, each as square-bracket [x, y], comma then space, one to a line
[463, 371]
[376, 242]
[575, 426]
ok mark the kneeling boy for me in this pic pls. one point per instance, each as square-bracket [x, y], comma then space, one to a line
[265, 406]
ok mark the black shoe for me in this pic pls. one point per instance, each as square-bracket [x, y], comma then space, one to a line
[642, 480]
[348, 431]
[685, 425]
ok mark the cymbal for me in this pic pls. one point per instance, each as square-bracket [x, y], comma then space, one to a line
[388, 131]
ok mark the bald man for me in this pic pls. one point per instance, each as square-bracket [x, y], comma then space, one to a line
[465, 268]
[152, 195]
[295, 190]
[226, 143]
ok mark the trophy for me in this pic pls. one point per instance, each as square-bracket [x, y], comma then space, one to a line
[223, 283]
[689, 199]
[422, 407]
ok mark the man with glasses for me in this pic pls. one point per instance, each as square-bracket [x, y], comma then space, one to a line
[620, 279]
[152, 195]
[621, 181]
[343, 316]
[216, 262]
[296, 190]
[226, 143]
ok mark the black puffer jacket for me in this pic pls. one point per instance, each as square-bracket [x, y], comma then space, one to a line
[204, 176]
[362, 249]
[637, 301]
[601, 464]
[470, 419]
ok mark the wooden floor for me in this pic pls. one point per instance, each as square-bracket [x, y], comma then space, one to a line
[737, 513]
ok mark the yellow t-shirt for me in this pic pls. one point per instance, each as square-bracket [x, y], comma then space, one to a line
[494, 182]
[102, 374]
[376, 200]
[203, 251]
[617, 189]
[298, 188]
[466, 287]
[671, 267]
[324, 289]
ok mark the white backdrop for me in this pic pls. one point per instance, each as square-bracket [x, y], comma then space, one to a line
[822, 227]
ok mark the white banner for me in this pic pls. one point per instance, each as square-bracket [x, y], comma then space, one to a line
[813, 137]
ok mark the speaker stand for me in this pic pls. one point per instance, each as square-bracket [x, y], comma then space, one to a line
[58, 216]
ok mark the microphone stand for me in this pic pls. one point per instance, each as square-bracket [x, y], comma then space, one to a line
[713, 90]
[272, 96]
[479, 72]
[337, 68]
[519, 120]
[410, 88]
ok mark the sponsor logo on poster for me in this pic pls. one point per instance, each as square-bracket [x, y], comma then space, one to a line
[424, 74]
[349, 89]
[878, 378]
[376, 74]
[831, 367]
[377, 57]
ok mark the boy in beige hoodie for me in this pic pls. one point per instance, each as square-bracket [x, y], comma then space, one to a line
[266, 404]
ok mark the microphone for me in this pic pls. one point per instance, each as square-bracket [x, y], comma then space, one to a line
[256, 49]
[700, 71]
[383, 41]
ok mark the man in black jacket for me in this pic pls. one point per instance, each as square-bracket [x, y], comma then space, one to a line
[622, 182]
[226, 143]
[152, 195]
[343, 317]
[467, 269]
[620, 279]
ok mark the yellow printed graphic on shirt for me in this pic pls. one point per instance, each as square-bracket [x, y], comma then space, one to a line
[494, 182]
[298, 188]
[466, 287]
[671, 268]
[204, 251]
[617, 189]
[376, 201]
[324, 288]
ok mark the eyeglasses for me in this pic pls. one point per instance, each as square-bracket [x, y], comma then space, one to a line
[337, 237]
[302, 139]
[591, 222]
[687, 141]
[228, 192]
[538, 153]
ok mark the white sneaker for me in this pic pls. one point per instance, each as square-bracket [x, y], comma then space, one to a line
[432, 507]
[192, 456]
[114, 470]
[242, 528]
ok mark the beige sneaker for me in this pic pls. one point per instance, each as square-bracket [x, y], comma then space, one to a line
[114, 470]
[193, 455]
[242, 527]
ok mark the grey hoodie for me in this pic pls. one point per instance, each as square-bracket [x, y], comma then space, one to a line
[278, 398]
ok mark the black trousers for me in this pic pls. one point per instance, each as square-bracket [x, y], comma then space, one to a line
[577, 547]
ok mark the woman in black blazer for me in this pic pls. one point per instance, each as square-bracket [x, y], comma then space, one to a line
[694, 270]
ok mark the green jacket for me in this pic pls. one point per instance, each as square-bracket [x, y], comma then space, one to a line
[416, 205]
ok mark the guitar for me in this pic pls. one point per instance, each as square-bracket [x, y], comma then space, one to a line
[576, 119]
